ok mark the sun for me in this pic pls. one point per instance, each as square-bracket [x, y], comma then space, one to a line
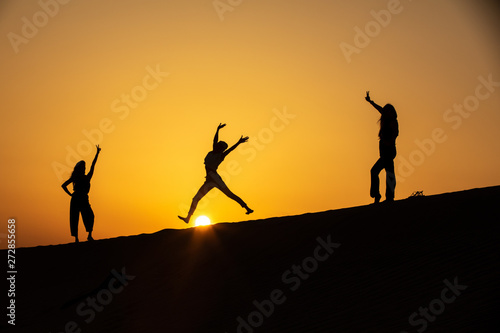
[202, 220]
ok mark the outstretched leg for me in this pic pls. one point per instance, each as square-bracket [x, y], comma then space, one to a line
[219, 183]
[204, 189]
[224, 189]
[236, 198]
[375, 183]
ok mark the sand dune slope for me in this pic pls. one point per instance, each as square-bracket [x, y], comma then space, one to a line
[421, 264]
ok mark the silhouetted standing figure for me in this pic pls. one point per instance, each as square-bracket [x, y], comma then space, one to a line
[212, 162]
[80, 198]
[389, 130]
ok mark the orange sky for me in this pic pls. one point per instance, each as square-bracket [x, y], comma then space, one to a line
[150, 81]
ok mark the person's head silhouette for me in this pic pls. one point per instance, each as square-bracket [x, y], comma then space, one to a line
[79, 169]
[389, 112]
[220, 146]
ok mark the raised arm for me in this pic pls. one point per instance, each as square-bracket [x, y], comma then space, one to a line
[241, 140]
[375, 105]
[65, 186]
[91, 172]
[216, 137]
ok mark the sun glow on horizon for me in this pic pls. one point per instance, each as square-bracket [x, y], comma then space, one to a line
[201, 221]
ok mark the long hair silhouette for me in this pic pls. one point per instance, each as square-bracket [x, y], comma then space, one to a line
[387, 116]
[78, 170]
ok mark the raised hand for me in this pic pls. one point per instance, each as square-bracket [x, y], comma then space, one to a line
[98, 149]
[243, 139]
[368, 97]
[221, 125]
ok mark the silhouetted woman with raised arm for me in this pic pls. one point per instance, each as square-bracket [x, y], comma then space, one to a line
[80, 198]
[389, 130]
[212, 161]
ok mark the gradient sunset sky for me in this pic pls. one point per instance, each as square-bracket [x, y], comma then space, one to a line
[150, 81]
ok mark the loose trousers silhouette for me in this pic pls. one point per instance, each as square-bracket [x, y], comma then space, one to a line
[386, 161]
[80, 205]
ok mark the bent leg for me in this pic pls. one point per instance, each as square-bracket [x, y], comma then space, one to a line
[375, 184]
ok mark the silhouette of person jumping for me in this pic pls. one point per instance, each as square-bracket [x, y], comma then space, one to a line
[80, 198]
[389, 130]
[212, 162]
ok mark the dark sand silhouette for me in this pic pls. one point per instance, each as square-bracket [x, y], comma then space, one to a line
[386, 262]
